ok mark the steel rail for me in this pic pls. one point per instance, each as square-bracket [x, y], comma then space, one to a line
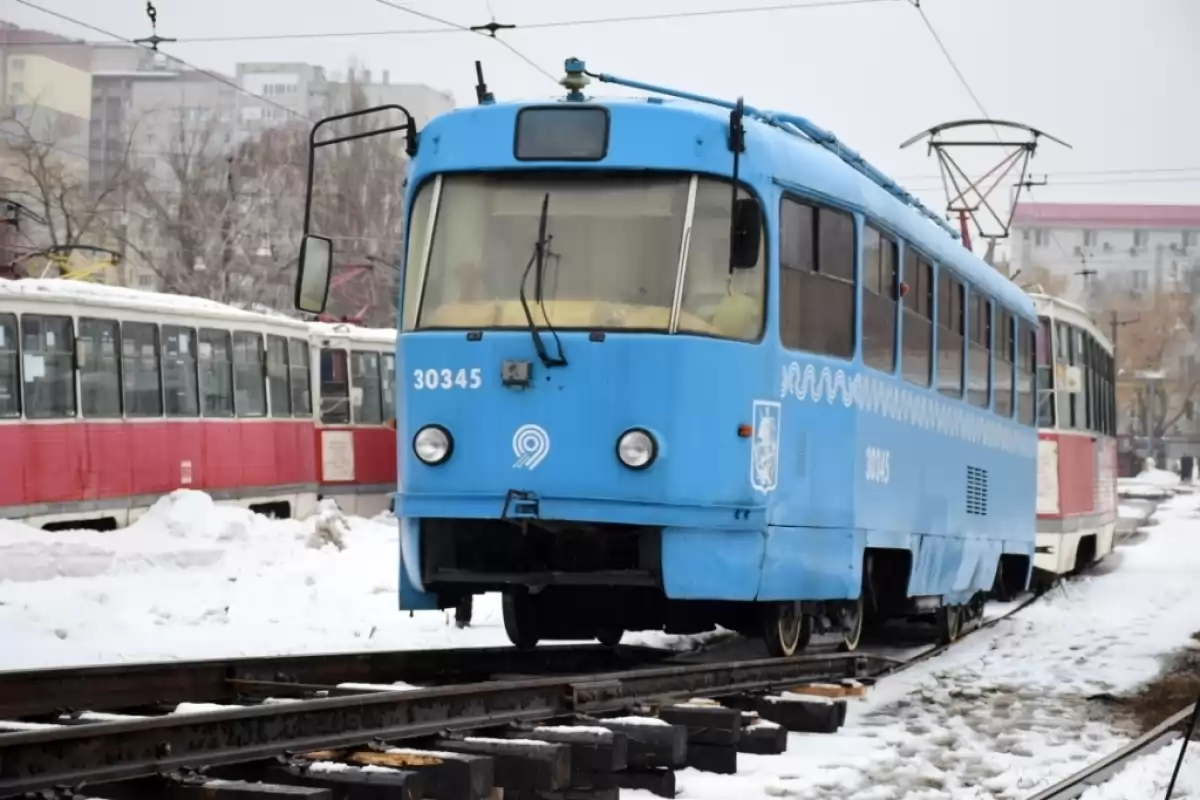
[104, 752]
[118, 687]
[1094, 774]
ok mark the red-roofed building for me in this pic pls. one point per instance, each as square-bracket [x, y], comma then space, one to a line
[1134, 250]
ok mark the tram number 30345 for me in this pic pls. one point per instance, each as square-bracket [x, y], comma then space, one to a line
[879, 468]
[447, 378]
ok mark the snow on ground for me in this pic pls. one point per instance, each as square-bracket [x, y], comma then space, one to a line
[1001, 715]
[193, 579]
[1004, 713]
[1149, 777]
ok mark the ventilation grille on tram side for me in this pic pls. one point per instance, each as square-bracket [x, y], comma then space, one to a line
[977, 491]
[802, 457]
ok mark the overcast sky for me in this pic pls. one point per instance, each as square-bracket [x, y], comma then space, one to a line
[1119, 80]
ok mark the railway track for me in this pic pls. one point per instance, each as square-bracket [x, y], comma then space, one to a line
[489, 718]
[534, 724]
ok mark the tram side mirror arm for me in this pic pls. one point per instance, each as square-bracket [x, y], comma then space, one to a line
[314, 271]
[747, 234]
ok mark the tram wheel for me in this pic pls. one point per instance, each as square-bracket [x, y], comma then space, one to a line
[949, 623]
[786, 629]
[521, 620]
[853, 619]
[610, 637]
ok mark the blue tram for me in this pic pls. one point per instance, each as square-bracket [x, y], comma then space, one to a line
[676, 362]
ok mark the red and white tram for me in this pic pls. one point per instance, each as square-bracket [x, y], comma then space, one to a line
[356, 437]
[111, 398]
[1077, 446]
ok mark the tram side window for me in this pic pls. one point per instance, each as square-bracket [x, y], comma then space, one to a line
[99, 370]
[879, 300]
[1026, 371]
[951, 335]
[979, 356]
[389, 387]
[1004, 362]
[250, 390]
[139, 369]
[1089, 381]
[367, 396]
[10, 371]
[1045, 376]
[816, 279]
[1111, 367]
[180, 387]
[1064, 355]
[298, 377]
[48, 366]
[918, 320]
[216, 373]
[335, 388]
[277, 376]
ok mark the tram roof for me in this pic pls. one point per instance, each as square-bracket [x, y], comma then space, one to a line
[119, 298]
[775, 154]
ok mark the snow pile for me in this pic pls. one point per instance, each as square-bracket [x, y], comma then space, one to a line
[1150, 483]
[194, 579]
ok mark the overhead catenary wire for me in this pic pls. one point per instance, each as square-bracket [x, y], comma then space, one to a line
[467, 29]
[214, 76]
[449, 27]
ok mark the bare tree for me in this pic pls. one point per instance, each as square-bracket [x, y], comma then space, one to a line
[1157, 363]
[217, 221]
[63, 210]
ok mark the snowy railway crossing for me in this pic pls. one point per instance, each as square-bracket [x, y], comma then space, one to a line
[1046, 688]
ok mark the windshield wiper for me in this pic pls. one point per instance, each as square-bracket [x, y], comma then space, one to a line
[538, 258]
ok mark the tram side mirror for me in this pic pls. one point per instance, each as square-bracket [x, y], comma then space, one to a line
[312, 278]
[747, 234]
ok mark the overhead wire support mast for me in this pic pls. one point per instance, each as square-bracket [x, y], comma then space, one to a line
[789, 123]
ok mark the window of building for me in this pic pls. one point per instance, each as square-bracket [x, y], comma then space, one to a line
[1189, 239]
[1041, 237]
[98, 342]
[335, 388]
[277, 376]
[298, 373]
[1005, 359]
[180, 387]
[48, 366]
[816, 281]
[216, 373]
[880, 278]
[1140, 238]
[979, 351]
[951, 335]
[10, 369]
[368, 389]
[1089, 238]
[139, 369]
[1026, 371]
[918, 319]
[249, 386]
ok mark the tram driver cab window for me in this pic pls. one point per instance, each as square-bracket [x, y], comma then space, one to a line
[716, 300]
[335, 388]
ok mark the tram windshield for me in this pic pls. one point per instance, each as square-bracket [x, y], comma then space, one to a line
[611, 263]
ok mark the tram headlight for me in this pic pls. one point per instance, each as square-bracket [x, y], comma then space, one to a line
[433, 444]
[636, 448]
